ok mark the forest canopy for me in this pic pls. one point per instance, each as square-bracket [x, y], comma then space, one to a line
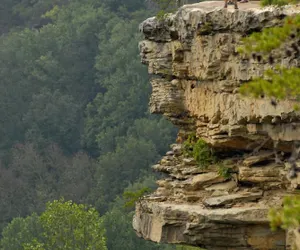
[74, 116]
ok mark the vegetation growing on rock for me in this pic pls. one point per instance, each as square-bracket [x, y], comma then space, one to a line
[288, 216]
[199, 150]
[278, 83]
[204, 84]
[73, 113]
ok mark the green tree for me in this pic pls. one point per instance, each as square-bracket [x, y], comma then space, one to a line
[279, 83]
[87, 53]
[287, 217]
[69, 226]
[124, 6]
[160, 131]
[78, 178]
[119, 168]
[118, 222]
[63, 226]
[55, 65]
[14, 201]
[29, 13]
[45, 176]
[25, 13]
[53, 118]
[21, 231]
[7, 18]
[188, 248]
[125, 84]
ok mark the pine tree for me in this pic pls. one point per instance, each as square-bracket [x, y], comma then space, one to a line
[279, 82]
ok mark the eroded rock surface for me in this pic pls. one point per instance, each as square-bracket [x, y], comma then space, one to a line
[196, 74]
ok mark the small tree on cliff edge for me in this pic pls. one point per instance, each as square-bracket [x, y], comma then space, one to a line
[278, 83]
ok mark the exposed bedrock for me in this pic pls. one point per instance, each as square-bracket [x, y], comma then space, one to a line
[196, 74]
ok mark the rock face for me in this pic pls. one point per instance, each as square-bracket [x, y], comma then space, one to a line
[196, 74]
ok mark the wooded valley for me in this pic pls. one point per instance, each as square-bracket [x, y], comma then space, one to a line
[74, 118]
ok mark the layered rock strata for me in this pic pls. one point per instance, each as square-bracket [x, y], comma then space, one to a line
[196, 74]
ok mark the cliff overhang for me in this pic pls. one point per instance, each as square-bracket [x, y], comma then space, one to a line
[196, 73]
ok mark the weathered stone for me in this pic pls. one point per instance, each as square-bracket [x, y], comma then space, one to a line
[296, 239]
[261, 157]
[163, 168]
[177, 150]
[208, 70]
[229, 185]
[170, 153]
[197, 72]
[235, 228]
[189, 161]
[162, 183]
[158, 31]
[270, 173]
[166, 98]
[293, 239]
[295, 182]
[232, 199]
[190, 170]
[217, 193]
[202, 180]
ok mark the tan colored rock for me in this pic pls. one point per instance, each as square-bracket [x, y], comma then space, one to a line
[235, 228]
[261, 157]
[166, 98]
[218, 193]
[177, 150]
[197, 72]
[200, 181]
[293, 239]
[170, 153]
[227, 186]
[232, 199]
[297, 239]
[272, 173]
[189, 161]
[208, 72]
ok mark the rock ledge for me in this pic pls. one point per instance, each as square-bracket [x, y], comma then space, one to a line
[196, 73]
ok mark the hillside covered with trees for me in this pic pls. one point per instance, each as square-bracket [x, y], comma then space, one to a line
[74, 124]
[74, 117]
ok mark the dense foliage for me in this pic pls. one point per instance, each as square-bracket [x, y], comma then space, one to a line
[74, 119]
[63, 226]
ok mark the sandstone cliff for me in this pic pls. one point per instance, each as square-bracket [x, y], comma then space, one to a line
[196, 73]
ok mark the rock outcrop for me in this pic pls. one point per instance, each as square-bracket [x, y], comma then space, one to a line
[196, 74]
